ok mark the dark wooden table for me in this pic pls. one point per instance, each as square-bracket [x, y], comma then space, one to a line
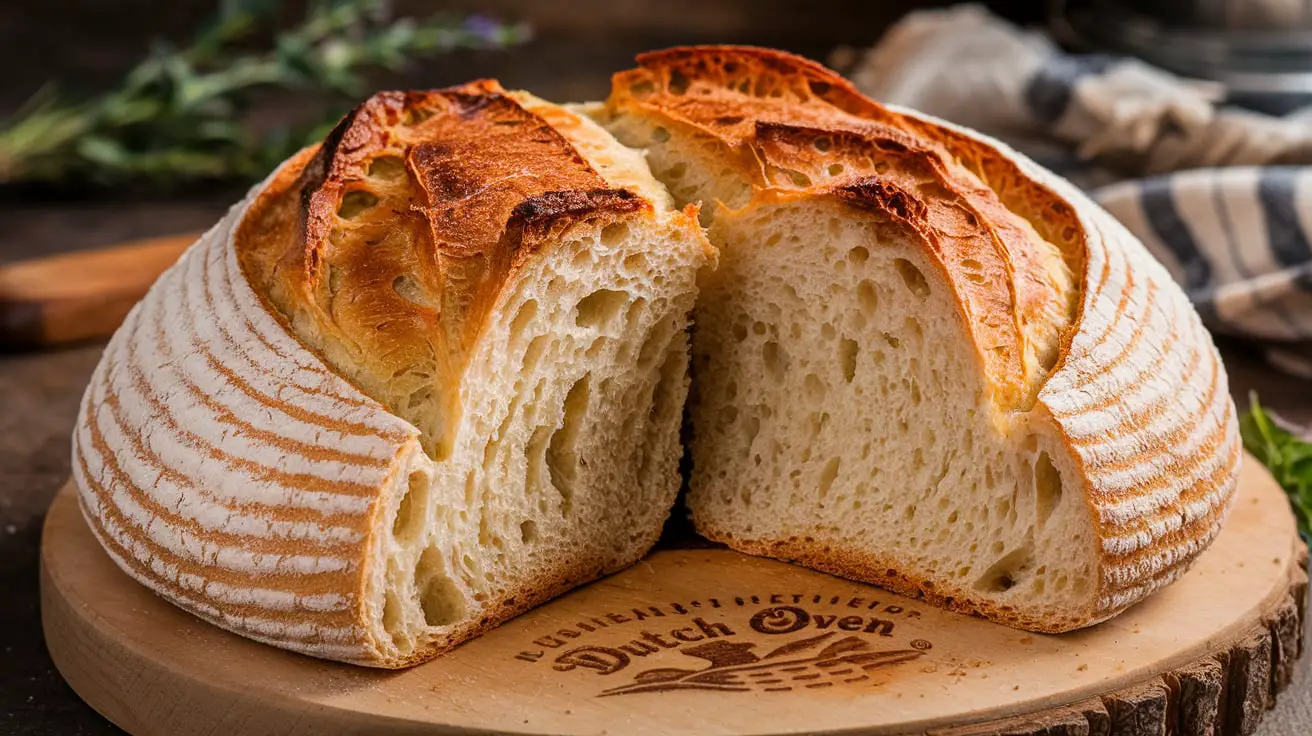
[39, 392]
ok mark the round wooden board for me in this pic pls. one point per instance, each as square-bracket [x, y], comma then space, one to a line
[710, 641]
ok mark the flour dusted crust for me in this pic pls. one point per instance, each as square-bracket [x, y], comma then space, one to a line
[223, 465]
[1083, 338]
[308, 433]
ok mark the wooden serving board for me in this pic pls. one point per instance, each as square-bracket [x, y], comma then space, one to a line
[82, 295]
[710, 641]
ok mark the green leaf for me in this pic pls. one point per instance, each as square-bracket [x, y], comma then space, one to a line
[176, 116]
[1289, 458]
[104, 151]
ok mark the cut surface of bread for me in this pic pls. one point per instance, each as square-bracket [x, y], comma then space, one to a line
[923, 361]
[428, 375]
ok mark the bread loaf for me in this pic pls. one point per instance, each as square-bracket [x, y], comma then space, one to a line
[925, 362]
[423, 378]
[431, 372]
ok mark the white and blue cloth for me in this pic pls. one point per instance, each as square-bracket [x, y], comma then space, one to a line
[1221, 196]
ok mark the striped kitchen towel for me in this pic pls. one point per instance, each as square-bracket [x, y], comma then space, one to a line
[1221, 196]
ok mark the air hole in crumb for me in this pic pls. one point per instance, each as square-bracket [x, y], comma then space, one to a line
[847, 349]
[407, 287]
[411, 511]
[912, 277]
[776, 361]
[416, 115]
[678, 82]
[660, 135]
[827, 476]
[614, 234]
[822, 144]
[835, 169]
[1005, 573]
[527, 311]
[677, 171]
[439, 597]
[392, 621]
[740, 332]
[356, 202]
[912, 329]
[815, 388]
[535, 350]
[599, 307]
[858, 255]
[562, 458]
[528, 532]
[535, 457]
[867, 297]
[388, 168]
[635, 263]
[728, 415]
[644, 87]
[1047, 488]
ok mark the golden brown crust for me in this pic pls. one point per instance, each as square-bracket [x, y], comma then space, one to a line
[389, 247]
[791, 124]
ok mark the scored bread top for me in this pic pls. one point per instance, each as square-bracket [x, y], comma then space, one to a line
[387, 246]
[1007, 244]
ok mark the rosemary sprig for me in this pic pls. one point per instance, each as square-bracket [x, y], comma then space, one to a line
[178, 113]
[1287, 456]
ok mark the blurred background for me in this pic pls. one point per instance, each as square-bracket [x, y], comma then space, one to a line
[137, 119]
[576, 41]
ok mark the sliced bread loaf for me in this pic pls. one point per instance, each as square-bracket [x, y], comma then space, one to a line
[925, 362]
[425, 377]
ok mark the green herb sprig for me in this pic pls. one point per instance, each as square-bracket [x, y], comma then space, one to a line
[1288, 457]
[178, 114]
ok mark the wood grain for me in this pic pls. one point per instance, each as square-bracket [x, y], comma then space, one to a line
[80, 296]
[682, 643]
